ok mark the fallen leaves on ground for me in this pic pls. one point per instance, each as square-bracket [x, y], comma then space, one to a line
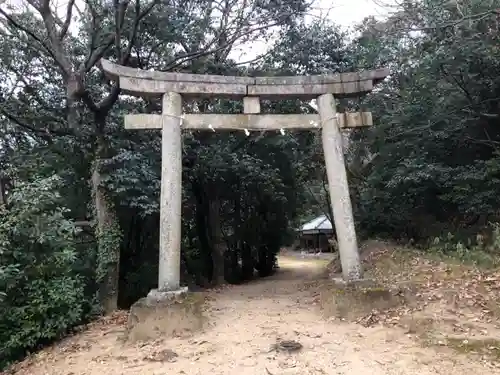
[445, 298]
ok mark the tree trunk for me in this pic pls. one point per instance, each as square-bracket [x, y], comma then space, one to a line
[329, 208]
[108, 236]
[3, 199]
[202, 229]
[217, 245]
[247, 263]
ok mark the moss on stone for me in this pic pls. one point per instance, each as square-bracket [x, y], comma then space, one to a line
[177, 317]
[354, 300]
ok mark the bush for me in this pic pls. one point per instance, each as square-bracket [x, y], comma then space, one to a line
[41, 297]
[483, 251]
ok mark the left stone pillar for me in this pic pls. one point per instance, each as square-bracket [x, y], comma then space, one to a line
[171, 194]
[169, 311]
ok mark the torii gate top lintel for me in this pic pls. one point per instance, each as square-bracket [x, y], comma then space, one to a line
[140, 82]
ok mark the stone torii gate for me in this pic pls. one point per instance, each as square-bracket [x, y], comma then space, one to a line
[172, 87]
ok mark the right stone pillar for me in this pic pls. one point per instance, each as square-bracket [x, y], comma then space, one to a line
[339, 189]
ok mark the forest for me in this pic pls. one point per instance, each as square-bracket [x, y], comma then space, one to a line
[79, 194]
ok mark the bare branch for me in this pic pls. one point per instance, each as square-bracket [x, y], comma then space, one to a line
[207, 51]
[56, 46]
[99, 52]
[109, 100]
[120, 10]
[254, 60]
[133, 33]
[67, 21]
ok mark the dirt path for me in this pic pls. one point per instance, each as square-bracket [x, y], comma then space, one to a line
[245, 321]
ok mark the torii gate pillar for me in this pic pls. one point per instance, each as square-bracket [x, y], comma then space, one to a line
[339, 189]
[171, 193]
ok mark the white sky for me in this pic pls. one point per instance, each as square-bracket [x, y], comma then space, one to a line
[345, 13]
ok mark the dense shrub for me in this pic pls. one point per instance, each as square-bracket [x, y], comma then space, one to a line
[41, 296]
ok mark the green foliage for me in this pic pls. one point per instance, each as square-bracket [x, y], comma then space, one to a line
[483, 250]
[431, 163]
[41, 295]
[108, 241]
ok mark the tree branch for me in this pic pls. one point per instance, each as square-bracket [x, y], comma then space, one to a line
[67, 21]
[45, 133]
[55, 43]
[207, 51]
[31, 34]
[106, 103]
